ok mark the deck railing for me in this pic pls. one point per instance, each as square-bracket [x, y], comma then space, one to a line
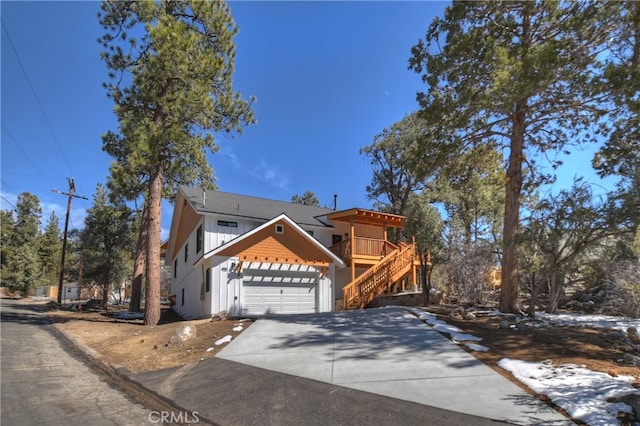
[363, 247]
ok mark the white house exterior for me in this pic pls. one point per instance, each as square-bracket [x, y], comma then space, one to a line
[248, 256]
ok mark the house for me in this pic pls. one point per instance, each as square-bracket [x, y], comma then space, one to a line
[250, 256]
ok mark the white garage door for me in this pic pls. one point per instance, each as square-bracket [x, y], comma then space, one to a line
[268, 292]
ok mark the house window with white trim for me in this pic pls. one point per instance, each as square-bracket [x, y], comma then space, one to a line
[279, 229]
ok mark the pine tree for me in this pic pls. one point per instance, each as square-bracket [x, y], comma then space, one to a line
[526, 74]
[171, 66]
[50, 248]
[107, 242]
[23, 270]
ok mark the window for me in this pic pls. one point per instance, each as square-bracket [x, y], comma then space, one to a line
[336, 238]
[199, 239]
[182, 297]
[227, 223]
[175, 268]
[186, 252]
[279, 229]
[207, 281]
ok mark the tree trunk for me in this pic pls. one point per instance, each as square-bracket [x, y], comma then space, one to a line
[509, 289]
[555, 291]
[139, 265]
[152, 267]
[424, 282]
[105, 288]
[105, 296]
[534, 297]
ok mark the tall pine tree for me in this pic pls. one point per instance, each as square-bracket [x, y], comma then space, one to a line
[171, 67]
[524, 73]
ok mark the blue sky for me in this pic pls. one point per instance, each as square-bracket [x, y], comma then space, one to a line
[328, 77]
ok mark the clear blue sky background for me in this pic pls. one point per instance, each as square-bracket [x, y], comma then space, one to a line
[328, 77]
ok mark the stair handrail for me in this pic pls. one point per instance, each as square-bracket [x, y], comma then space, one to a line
[381, 272]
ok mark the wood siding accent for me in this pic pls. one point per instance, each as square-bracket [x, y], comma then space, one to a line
[268, 246]
[188, 222]
[369, 217]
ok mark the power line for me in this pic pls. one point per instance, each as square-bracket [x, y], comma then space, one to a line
[46, 119]
[8, 202]
[9, 186]
[35, 166]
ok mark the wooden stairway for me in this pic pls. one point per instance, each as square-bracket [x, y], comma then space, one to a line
[391, 269]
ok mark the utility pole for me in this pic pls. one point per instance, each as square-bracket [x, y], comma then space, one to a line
[70, 194]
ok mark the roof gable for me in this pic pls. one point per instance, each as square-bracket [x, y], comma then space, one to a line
[291, 246]
[184, 220]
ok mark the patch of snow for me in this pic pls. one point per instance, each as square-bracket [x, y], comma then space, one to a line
[238, 328]
[584, 320]
[443, 327]
[463, 337]
[210, 349]
[225, 339]
[476, 347]
[581, 392]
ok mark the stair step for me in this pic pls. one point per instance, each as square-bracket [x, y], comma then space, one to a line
[385, 273]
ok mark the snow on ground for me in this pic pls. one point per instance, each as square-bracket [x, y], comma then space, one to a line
[225, 339]
[583, 393]
[582, 320]
[476, 347]
[456, 334]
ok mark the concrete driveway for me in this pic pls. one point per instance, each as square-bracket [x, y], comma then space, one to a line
[389, 352]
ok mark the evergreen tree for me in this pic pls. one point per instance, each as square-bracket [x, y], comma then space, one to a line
[471, 188]
[107, 241]
[7, 246]
[404, 158]
[50, 248]
[171, 67]
[22, 263]
[308, 198]
[524, 73]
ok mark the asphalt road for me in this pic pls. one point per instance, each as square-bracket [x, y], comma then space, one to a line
[45, 381]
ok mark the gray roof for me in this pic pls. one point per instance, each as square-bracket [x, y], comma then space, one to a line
[248, 207]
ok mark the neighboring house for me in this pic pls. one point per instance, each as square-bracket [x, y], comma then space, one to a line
[252, 256]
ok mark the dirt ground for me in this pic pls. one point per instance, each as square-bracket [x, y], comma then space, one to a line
[129, 344]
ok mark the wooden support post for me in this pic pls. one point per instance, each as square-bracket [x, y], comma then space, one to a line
[352, 242]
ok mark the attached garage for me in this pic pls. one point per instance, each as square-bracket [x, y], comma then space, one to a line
[277, 268]
[280, 292]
